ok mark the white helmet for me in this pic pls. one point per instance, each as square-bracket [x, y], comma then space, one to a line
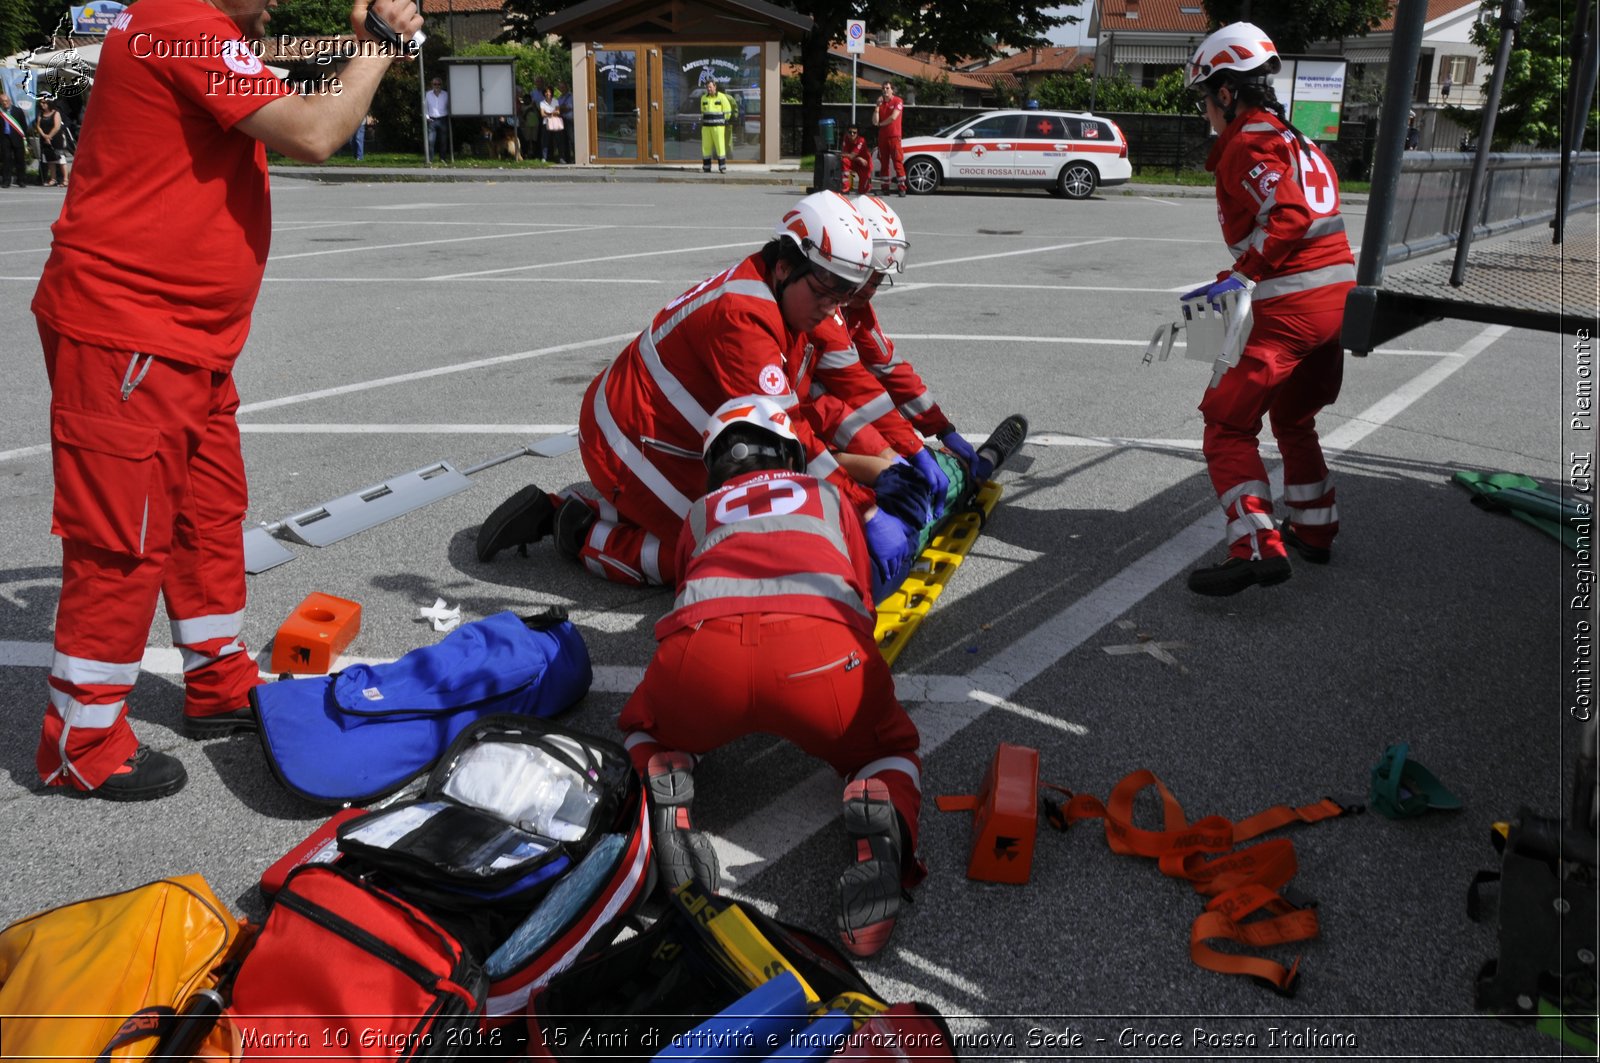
[889, 243]
[760, 412]
[832, 234]
[1238, 49]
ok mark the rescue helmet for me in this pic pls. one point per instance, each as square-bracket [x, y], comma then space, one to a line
[1241, 49]
[889, 243]
[833, 236]
[752, 425]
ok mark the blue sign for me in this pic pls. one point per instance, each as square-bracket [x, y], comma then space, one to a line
[95, 18]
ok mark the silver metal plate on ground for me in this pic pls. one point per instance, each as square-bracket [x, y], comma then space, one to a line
[343, 517]
[262, 551]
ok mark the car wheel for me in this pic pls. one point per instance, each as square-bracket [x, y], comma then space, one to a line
[1078, 180]
[922, 175]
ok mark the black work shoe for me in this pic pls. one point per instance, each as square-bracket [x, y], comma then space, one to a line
[573, 521]
[144, 776]
[525, 517]
[869, 889]
[221, 724]
[1004, 441]
[705, 167]
[1316, 555]
[1235, 574]
[682, 853]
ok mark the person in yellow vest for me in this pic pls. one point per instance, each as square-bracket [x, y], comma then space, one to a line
[716, 109]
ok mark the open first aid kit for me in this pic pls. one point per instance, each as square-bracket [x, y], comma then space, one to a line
[1215, 329]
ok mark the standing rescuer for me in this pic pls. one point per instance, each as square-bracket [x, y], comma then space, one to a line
[143, 306]
[891, 108]
[1278, 201]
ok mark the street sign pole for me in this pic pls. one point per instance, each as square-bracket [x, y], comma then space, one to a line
[855, 42]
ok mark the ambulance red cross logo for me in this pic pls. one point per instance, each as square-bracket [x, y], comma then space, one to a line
[772, 380]
[760, 499]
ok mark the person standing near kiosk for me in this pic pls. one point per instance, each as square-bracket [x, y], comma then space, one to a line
[716, 110]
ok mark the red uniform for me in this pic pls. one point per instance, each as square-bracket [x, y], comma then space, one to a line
[642, 418]
[904, 387]
[864, 419]
[1278, 201]
[773, 632]
[858, 163]
[143, 307]
[888, 116]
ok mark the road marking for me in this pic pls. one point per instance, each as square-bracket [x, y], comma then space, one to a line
[587, 261]
[1163, 202]
[431, 243]
[1008, 254]
[426, 374]
[794, 816]
[406, 429]
[911, 286]
[1158, 650]
[25, 251]
[458, 280]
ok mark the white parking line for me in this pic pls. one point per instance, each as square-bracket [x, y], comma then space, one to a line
[1009, 254]
[459, 280]
[426, 374]
[407, 429]
[587, 261]
[768, 834]
[431, 243]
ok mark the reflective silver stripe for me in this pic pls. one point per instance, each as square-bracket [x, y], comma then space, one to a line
[1325, 226]
[881, 406]
[883, 343]
[629, 455]
[608, 512]
[639, 738]
[1259, 127]
[631, 573]
[1322, 515]
[670, 386]
[883, 764]
[1339, 273]
[813, 584]
[193, 659]
[822, 466]
[1239, 247]
[80, 671]
[75, 713]
[1307, 492]
[205, 628]
[919, 405]
[789, 522]
[1254, 488]
[1248, 524]
[839, 359]
[1265, 208]
[650, 559]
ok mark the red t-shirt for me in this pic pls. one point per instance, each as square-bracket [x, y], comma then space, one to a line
[163, 238]
[889, 112]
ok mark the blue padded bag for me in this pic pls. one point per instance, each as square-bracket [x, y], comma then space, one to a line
[365, 732]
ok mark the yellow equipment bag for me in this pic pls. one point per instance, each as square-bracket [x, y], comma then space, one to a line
[102, 979]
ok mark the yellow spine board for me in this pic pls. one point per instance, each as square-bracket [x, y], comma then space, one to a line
[757, 961]
[900, 614]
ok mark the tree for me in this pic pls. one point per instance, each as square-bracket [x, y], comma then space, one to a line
[933, 92]
[1293, 27]
[1538, 76]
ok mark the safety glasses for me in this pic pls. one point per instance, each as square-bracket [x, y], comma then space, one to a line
[827, 288]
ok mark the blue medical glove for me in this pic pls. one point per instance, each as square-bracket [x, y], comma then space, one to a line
[903, 492]
[980, 468]
[1231, 282]
[889, 543]
[938, 482]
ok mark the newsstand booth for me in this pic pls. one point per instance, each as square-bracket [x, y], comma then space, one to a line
[640, 67]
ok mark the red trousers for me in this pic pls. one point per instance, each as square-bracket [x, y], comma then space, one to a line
[818, 683]
[634, 541]
[889, 152]
[1291, 368]
[858, 174]
[149, 501]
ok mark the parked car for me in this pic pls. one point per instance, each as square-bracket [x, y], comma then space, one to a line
[1071, 154]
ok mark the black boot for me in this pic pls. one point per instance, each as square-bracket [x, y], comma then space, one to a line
[525, 517]
[1004, 441]
[1236, 573]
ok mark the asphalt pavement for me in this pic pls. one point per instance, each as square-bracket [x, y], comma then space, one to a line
[402, 324]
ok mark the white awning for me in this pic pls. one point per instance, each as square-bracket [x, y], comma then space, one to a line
[1175, 54]
[1366, 55]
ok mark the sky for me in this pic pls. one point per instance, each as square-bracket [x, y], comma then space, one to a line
[1072, 36]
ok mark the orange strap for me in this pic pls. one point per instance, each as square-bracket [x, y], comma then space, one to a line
[1240, 883]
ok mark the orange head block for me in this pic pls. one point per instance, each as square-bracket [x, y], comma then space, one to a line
[316, 632]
